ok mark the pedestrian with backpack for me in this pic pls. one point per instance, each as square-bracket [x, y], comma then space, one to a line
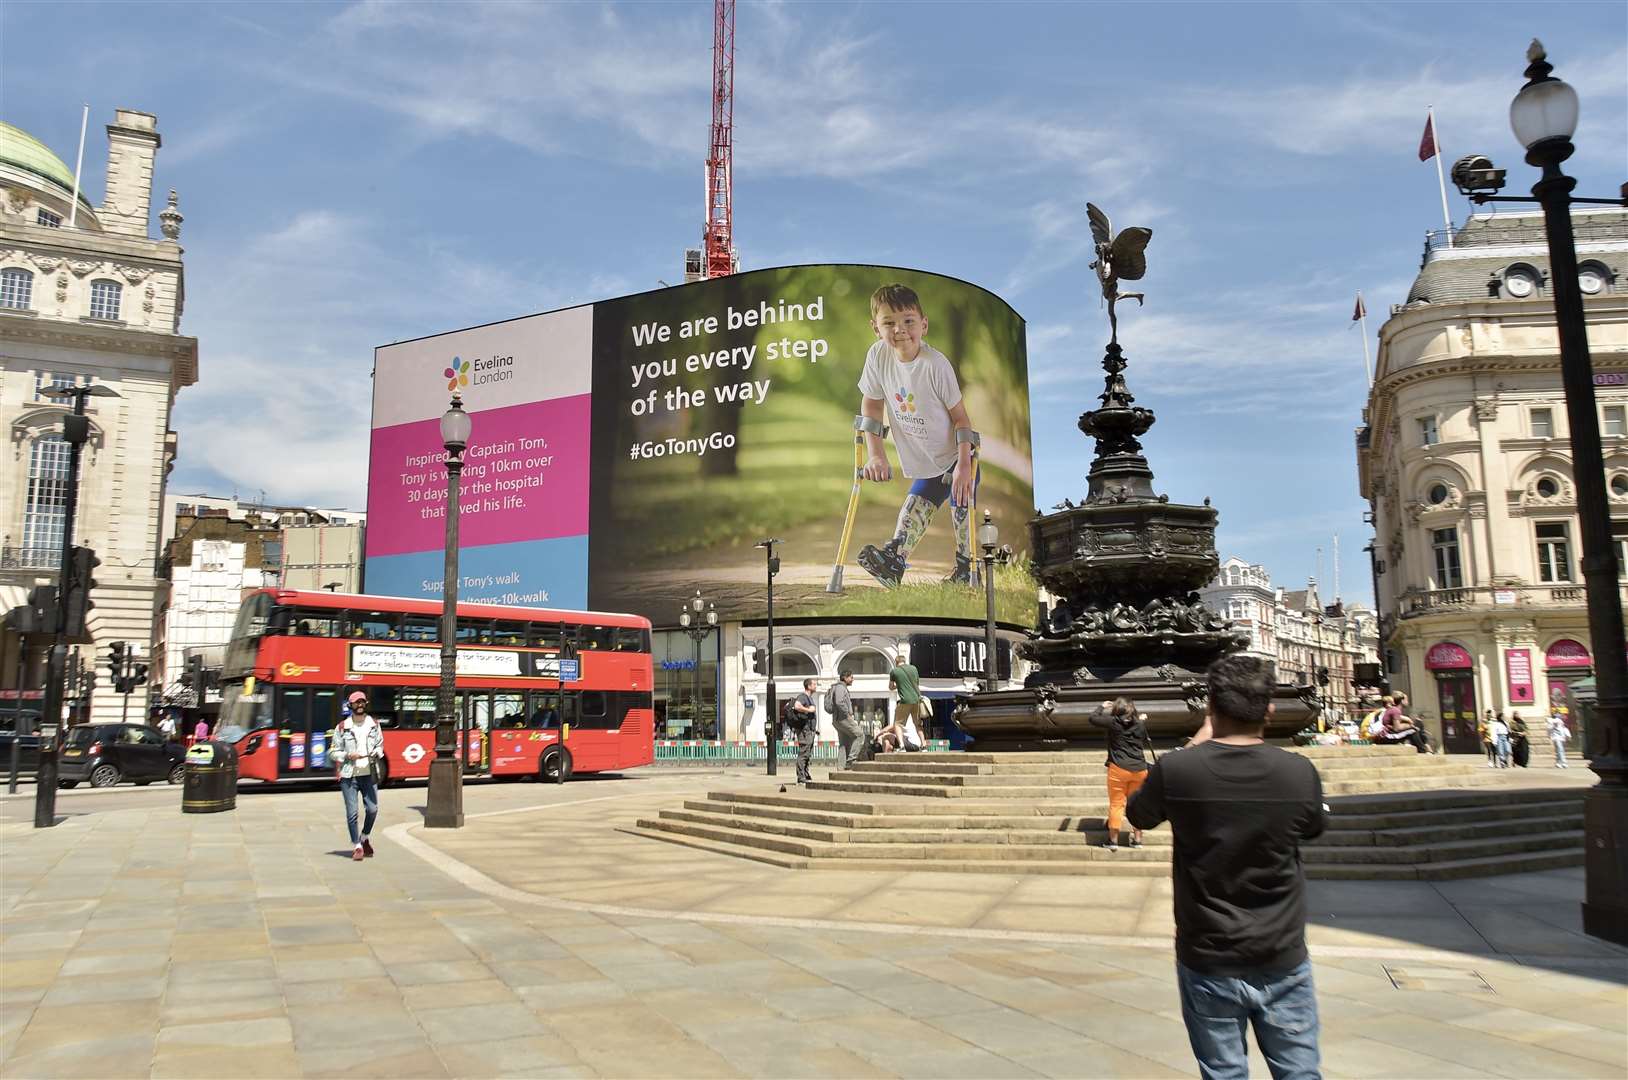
[803, 717]
[839, 702]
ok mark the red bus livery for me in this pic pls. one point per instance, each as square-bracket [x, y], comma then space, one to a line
[539, 692]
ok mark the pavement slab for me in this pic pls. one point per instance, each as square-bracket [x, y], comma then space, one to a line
[542, 941]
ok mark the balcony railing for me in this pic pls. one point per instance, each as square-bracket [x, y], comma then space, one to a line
[1417, 602]
[17, 557]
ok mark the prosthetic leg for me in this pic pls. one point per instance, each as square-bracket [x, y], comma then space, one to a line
[863, 425]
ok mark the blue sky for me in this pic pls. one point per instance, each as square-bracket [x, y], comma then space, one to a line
[358, 174]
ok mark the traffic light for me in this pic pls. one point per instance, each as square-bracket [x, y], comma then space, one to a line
[1322, 676]
[138, 676]
[118, 659]
[194, 676]
[43, 610]
[77, 603]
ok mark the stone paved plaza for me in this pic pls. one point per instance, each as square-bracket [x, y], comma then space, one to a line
[541, 940]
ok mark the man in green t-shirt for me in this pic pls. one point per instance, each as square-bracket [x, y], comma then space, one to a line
[905, 680]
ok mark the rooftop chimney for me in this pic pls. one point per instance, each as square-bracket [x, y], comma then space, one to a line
[132, 143]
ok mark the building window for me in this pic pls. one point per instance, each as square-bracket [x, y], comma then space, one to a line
[1449, 571]
[1428, 433]
[1543, 423]
[1548, 487]
[44, 381]
[1554, 552]
[1437, 494]
[47, 507]
[104, 299]
[1619, 485]
[1616, 420]
[1619, 544]
[42, 216]
[16, 289]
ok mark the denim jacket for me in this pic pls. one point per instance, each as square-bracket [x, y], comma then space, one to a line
[353, 737]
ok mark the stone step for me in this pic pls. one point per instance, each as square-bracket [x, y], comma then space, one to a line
[1339, 836]
[1426, 782]
[1443, 851]
[971, 777]
[935, 791]
[1096, 803]
[1403, 823]
[1077, 831]
[1075, 848]
[1408, 802]
[884, 822]
[1112, 866]
[1482, 866]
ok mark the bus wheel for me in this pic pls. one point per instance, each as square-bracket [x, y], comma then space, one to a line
[556, 768]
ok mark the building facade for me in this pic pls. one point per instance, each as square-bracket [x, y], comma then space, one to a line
[218, 549]
[1308, 641]
[1465, 460]
[87, 295]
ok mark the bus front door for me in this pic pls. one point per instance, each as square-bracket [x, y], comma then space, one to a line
[474, 739]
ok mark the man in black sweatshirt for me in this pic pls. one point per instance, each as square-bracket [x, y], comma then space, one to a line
[1239, 811]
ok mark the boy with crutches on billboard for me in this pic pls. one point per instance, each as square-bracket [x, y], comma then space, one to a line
[914, 382]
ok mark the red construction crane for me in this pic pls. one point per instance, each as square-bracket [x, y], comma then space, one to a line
[718, 239]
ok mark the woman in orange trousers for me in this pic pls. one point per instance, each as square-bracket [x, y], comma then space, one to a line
[1127, 762]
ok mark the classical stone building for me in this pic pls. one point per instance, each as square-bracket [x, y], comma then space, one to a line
[87, 295]
[1465, 459]
[1306, 639]
[217, 549]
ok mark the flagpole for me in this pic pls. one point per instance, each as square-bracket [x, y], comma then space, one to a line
[1367, 363]
[1441, 179]
[79, 163]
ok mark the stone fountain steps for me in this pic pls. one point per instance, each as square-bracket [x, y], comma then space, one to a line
[1423, 817]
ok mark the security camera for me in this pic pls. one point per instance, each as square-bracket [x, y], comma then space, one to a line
[1474, 175]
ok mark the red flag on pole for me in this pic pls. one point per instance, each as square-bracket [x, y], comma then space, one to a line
[1360, 312]
[1427, 142]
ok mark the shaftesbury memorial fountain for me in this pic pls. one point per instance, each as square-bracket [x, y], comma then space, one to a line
[1124, 566]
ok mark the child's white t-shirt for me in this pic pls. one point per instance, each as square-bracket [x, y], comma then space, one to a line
[919, 396]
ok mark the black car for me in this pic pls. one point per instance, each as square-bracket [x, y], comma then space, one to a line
[28, 745]
[105, 754]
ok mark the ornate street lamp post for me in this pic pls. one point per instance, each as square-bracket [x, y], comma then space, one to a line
[1544, 116]
[698, 628]
[75, 432]
[988, 537]
[445, 807]
[771, 724]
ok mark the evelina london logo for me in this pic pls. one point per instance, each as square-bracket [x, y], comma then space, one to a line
[457, 374]
[904, 402]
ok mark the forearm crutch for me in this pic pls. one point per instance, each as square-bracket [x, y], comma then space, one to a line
[967, 435]
[863, 425]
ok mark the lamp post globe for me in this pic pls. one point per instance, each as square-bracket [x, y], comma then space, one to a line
[1544, 113]
[444, 807]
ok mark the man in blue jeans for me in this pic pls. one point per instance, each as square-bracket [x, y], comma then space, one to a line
[1239, 811]
[358, 746]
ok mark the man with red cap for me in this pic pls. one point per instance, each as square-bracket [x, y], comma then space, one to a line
[358, 744]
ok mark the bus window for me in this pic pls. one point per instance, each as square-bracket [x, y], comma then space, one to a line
[596, 710]
[313, 622]
[477, 706]
[420, 628]
[598, 638]
[252, 618]
[631, 639]
[545, 635]
[413, 709]
[374, 625]
[474, 631]
[505, 632]
[545, 710]
[508, 710]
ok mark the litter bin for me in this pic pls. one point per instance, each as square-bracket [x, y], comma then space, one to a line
[211, 779]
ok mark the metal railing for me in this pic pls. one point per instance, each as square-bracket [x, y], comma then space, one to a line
[1415, 602]
[36, 557]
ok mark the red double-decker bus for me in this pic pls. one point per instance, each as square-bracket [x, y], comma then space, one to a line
[539, 692]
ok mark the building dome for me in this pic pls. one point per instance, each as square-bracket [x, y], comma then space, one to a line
[21, 153]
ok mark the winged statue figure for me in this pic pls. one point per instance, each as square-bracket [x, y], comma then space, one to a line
[1119, 258]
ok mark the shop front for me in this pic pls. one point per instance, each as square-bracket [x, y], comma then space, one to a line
[686, 677]
[1454, 671]
[1565, 662]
